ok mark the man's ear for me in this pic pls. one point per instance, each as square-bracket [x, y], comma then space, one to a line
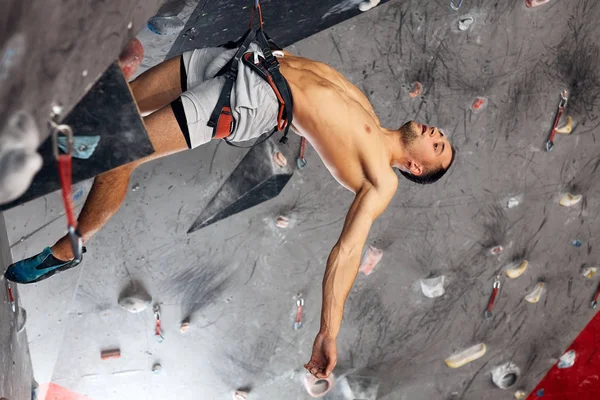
[415, 168]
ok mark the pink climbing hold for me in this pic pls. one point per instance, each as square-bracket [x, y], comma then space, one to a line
[535, 3]
[370, 259]
[416, 89]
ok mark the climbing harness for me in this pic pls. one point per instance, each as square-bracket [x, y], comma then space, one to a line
[64, 162]
[222, 120]
[562, 104]
[496, 287]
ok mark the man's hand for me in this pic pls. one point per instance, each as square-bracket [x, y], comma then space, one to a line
[324, 356]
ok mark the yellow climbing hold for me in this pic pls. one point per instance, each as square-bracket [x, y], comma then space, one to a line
[516, 272]
[565, 130]
[569, 200]
[461, 358]
[520, 394]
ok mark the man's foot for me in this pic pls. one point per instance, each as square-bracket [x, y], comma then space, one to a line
[38, 267]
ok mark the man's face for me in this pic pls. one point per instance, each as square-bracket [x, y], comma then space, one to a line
[426, 145]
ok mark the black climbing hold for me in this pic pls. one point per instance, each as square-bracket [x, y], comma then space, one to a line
[256, 179]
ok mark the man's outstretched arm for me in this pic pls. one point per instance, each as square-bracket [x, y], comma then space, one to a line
[341, 271]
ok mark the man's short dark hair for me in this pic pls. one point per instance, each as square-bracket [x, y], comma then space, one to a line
[429, 176]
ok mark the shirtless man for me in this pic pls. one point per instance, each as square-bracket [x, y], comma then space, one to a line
[337, 119]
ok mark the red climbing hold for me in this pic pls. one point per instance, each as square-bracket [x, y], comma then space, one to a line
[478, 104]
[131, 58]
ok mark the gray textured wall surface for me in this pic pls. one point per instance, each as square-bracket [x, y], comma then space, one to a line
[238, 278]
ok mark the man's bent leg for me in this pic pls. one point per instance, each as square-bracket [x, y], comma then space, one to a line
[105, 198]
[109, 189]
[160, 85]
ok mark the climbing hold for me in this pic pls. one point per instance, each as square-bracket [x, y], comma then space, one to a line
[367, 5]
[512, 202]
[255, 180]
[535, 3]
[565, 130]
[505, 376]
[156, 368]
[110, 354]
[539, 393]
[496, 250]
[240, 395]
[569, 200]
[135, 187]
[535, 294]
[185, 326]
[318, 387]
[455, 4]
[83, 146]
[576, 243]
[520, 394]
[134, 298]
[588, 272]
[280, 159]
[465, 23]
[168, 25]
[370, 259]
[131, 58]
[21, 319]
[433, 287]
[567, 360]
[464, 357]
[515, 272]
[19, 140]
[416, 89]
[282, 222]
[479, 104]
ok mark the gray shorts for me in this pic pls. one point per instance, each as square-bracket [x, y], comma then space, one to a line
[253, 102]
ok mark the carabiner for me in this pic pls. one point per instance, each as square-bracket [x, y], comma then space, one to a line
[564, 97]
[497, 282]
[76, 243]
[66, 131]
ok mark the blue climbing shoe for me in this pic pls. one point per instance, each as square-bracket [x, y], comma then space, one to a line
[38, 267]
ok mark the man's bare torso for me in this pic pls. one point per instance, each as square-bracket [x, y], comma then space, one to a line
[339, 122]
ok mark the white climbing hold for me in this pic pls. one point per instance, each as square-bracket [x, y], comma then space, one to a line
[367, 5]
[569, 200]
[466, 356]
[433, 287]
[567, 360]
[465, 23]
[512, 202]
[156, 368]
[535, 294]
[506, 375]
[496, 250]
[317, 387]
[514, 271]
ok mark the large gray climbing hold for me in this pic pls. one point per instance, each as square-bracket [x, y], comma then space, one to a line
[134, 298]
[256, 179]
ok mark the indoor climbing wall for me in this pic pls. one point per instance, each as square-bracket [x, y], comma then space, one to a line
[490, 74]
